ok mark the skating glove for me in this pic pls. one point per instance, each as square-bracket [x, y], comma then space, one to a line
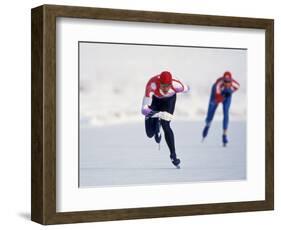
[219, 98]
[151, 113]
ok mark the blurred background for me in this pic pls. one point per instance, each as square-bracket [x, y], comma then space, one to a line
[113, 79]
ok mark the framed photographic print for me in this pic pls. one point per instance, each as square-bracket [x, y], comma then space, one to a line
[139, 114]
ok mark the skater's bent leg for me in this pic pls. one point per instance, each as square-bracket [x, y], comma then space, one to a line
[169, 137]
[150, 126]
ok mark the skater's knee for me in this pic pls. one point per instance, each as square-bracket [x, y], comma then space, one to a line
[149, 134]
[208, 120]
[150, 127]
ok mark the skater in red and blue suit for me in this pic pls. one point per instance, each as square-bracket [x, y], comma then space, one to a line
[158, 107]
[221, 92]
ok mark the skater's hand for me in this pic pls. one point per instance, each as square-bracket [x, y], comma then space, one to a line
[151, 113]
[219, 98]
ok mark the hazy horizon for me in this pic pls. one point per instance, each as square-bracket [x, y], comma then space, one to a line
[113, 79]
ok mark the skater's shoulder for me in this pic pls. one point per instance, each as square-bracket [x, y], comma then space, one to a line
[152, 84]
[219, 80]
[154, 78]
[153, 81]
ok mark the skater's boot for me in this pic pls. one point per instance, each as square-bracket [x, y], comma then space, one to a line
[176, 162]
[157, 135]
[224, 140]
[205, 131]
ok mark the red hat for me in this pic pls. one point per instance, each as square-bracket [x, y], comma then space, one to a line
[166, 77]
[227, 76]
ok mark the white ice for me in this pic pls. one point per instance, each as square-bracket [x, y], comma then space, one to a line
[122, 155]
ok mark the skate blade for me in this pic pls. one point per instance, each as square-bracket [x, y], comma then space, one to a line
[224, 145]
[177, 166]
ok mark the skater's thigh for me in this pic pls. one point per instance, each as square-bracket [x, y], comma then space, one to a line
[165, 125]
[171, 103]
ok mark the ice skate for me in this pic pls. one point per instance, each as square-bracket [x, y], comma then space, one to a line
[224, 140]
[176, 162]
[205, 132]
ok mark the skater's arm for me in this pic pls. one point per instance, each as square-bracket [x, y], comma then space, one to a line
[146, 102]
[150, 87]
[218, 95]
[147, 99]
[219, 85]
[234, 85]
[180, 87]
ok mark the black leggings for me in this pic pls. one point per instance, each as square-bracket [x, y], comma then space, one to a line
[152, 124]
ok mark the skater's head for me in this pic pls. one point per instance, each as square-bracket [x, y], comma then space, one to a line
[165, 81]
[227, 78]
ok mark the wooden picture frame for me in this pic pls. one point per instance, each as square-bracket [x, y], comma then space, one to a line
[43, 189]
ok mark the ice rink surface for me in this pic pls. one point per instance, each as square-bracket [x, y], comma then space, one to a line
[122, 155]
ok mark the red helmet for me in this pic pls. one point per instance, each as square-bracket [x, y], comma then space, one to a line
[227, 76]
[166, 77]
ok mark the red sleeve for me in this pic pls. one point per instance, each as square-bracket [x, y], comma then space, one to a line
[235, 85]
[219, 84]
[150, 87]
[179, 87]
[218, 97]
